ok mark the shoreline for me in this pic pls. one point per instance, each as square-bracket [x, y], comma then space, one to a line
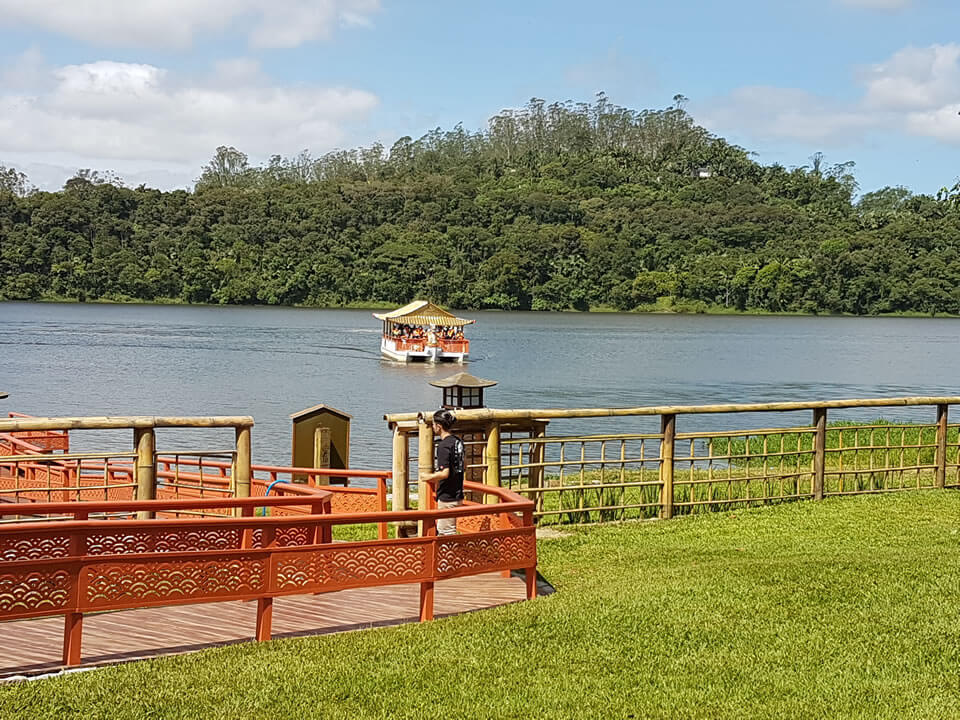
[597, 310]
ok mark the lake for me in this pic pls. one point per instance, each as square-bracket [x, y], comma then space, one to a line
[78, 359]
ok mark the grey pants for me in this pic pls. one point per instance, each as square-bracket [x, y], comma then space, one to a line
[447, 526]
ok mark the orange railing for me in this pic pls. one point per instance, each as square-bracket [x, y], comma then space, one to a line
[409, 345]
[79, 565]
[455, 346]
[36, 476]
[40, 440]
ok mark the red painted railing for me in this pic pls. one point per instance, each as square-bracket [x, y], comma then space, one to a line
[79, 565]
[407, 345]
[41, 440]
[455, 346]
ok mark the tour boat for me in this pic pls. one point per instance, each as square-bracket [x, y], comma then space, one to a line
[422, 331]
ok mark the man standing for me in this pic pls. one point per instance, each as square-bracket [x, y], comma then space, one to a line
[449, 476]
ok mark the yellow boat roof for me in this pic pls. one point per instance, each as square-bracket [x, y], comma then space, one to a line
[423, 312]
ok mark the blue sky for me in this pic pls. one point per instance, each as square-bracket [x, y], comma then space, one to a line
[150, 88]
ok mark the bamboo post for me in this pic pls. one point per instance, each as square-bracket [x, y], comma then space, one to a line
[941, 460]
[424, 466]
[401, 478]
[492, 458]
[668, 426]
[819, 451]
[537, 455]
[321, 452]
[241, 482]
[146, 445]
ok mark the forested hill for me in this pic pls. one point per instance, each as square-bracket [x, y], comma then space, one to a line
[551, 207]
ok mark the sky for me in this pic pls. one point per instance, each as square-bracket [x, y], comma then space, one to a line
[149, 89]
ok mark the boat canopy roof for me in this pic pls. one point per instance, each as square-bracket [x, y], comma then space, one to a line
[423, 312]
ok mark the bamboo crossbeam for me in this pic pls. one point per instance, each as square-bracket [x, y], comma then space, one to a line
[740, 456]
[578, 438]
[745, 479]
[596, 509]
[587, 486]
[121, 423]
[720, 434]
[570, 413]
[879, 470]
[585, 462]
[730, 501]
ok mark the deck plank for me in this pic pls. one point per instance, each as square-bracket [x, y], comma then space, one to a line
[34, 646]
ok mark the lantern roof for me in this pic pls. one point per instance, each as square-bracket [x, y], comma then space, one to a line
[462, 379]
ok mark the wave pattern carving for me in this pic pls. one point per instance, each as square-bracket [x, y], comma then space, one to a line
[163, 541]
[459, 554]
[295, 536]
[125, 584]
[29, 591]
[33, 547]
[342, 502]
[326, 568]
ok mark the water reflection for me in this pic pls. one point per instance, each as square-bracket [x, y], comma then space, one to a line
[270, 362]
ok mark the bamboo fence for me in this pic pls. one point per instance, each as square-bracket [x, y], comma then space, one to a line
[619, 475]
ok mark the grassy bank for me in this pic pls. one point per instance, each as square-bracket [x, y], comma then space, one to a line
[845, 608]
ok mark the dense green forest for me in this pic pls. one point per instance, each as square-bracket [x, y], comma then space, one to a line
[562, 206]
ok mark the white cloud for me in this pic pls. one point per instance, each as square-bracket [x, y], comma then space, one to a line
[915, 79]
[786, 114]
[133, 117]
[915, 91]
[176, 23]
[878, 4]
[940, 124]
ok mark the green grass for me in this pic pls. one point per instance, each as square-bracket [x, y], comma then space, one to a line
[847, 608]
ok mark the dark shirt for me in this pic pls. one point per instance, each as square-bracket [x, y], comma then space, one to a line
[450, 455]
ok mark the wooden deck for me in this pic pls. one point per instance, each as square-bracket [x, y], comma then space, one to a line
[125, 635]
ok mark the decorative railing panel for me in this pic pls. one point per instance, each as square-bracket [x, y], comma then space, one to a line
[70, 560]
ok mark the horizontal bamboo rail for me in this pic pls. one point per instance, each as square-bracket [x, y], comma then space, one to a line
[571, 413]
[20, 424]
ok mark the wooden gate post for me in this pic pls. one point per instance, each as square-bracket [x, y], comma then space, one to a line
[424, 466]
[146, 469]
[819, 451]
[668, 426]
[492, 458]
[401, 477]
[241, 482]
[941, 460]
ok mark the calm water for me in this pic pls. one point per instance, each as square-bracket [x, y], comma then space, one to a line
[270, 362]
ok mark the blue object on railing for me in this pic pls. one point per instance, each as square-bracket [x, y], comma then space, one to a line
[270, 487]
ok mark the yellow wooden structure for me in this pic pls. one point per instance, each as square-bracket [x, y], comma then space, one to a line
[321, 438]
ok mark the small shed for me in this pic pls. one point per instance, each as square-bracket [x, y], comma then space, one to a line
[321, 438]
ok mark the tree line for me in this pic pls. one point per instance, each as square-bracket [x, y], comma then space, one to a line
[551, 207]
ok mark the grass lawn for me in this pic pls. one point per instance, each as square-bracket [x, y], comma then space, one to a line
[847, 608]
